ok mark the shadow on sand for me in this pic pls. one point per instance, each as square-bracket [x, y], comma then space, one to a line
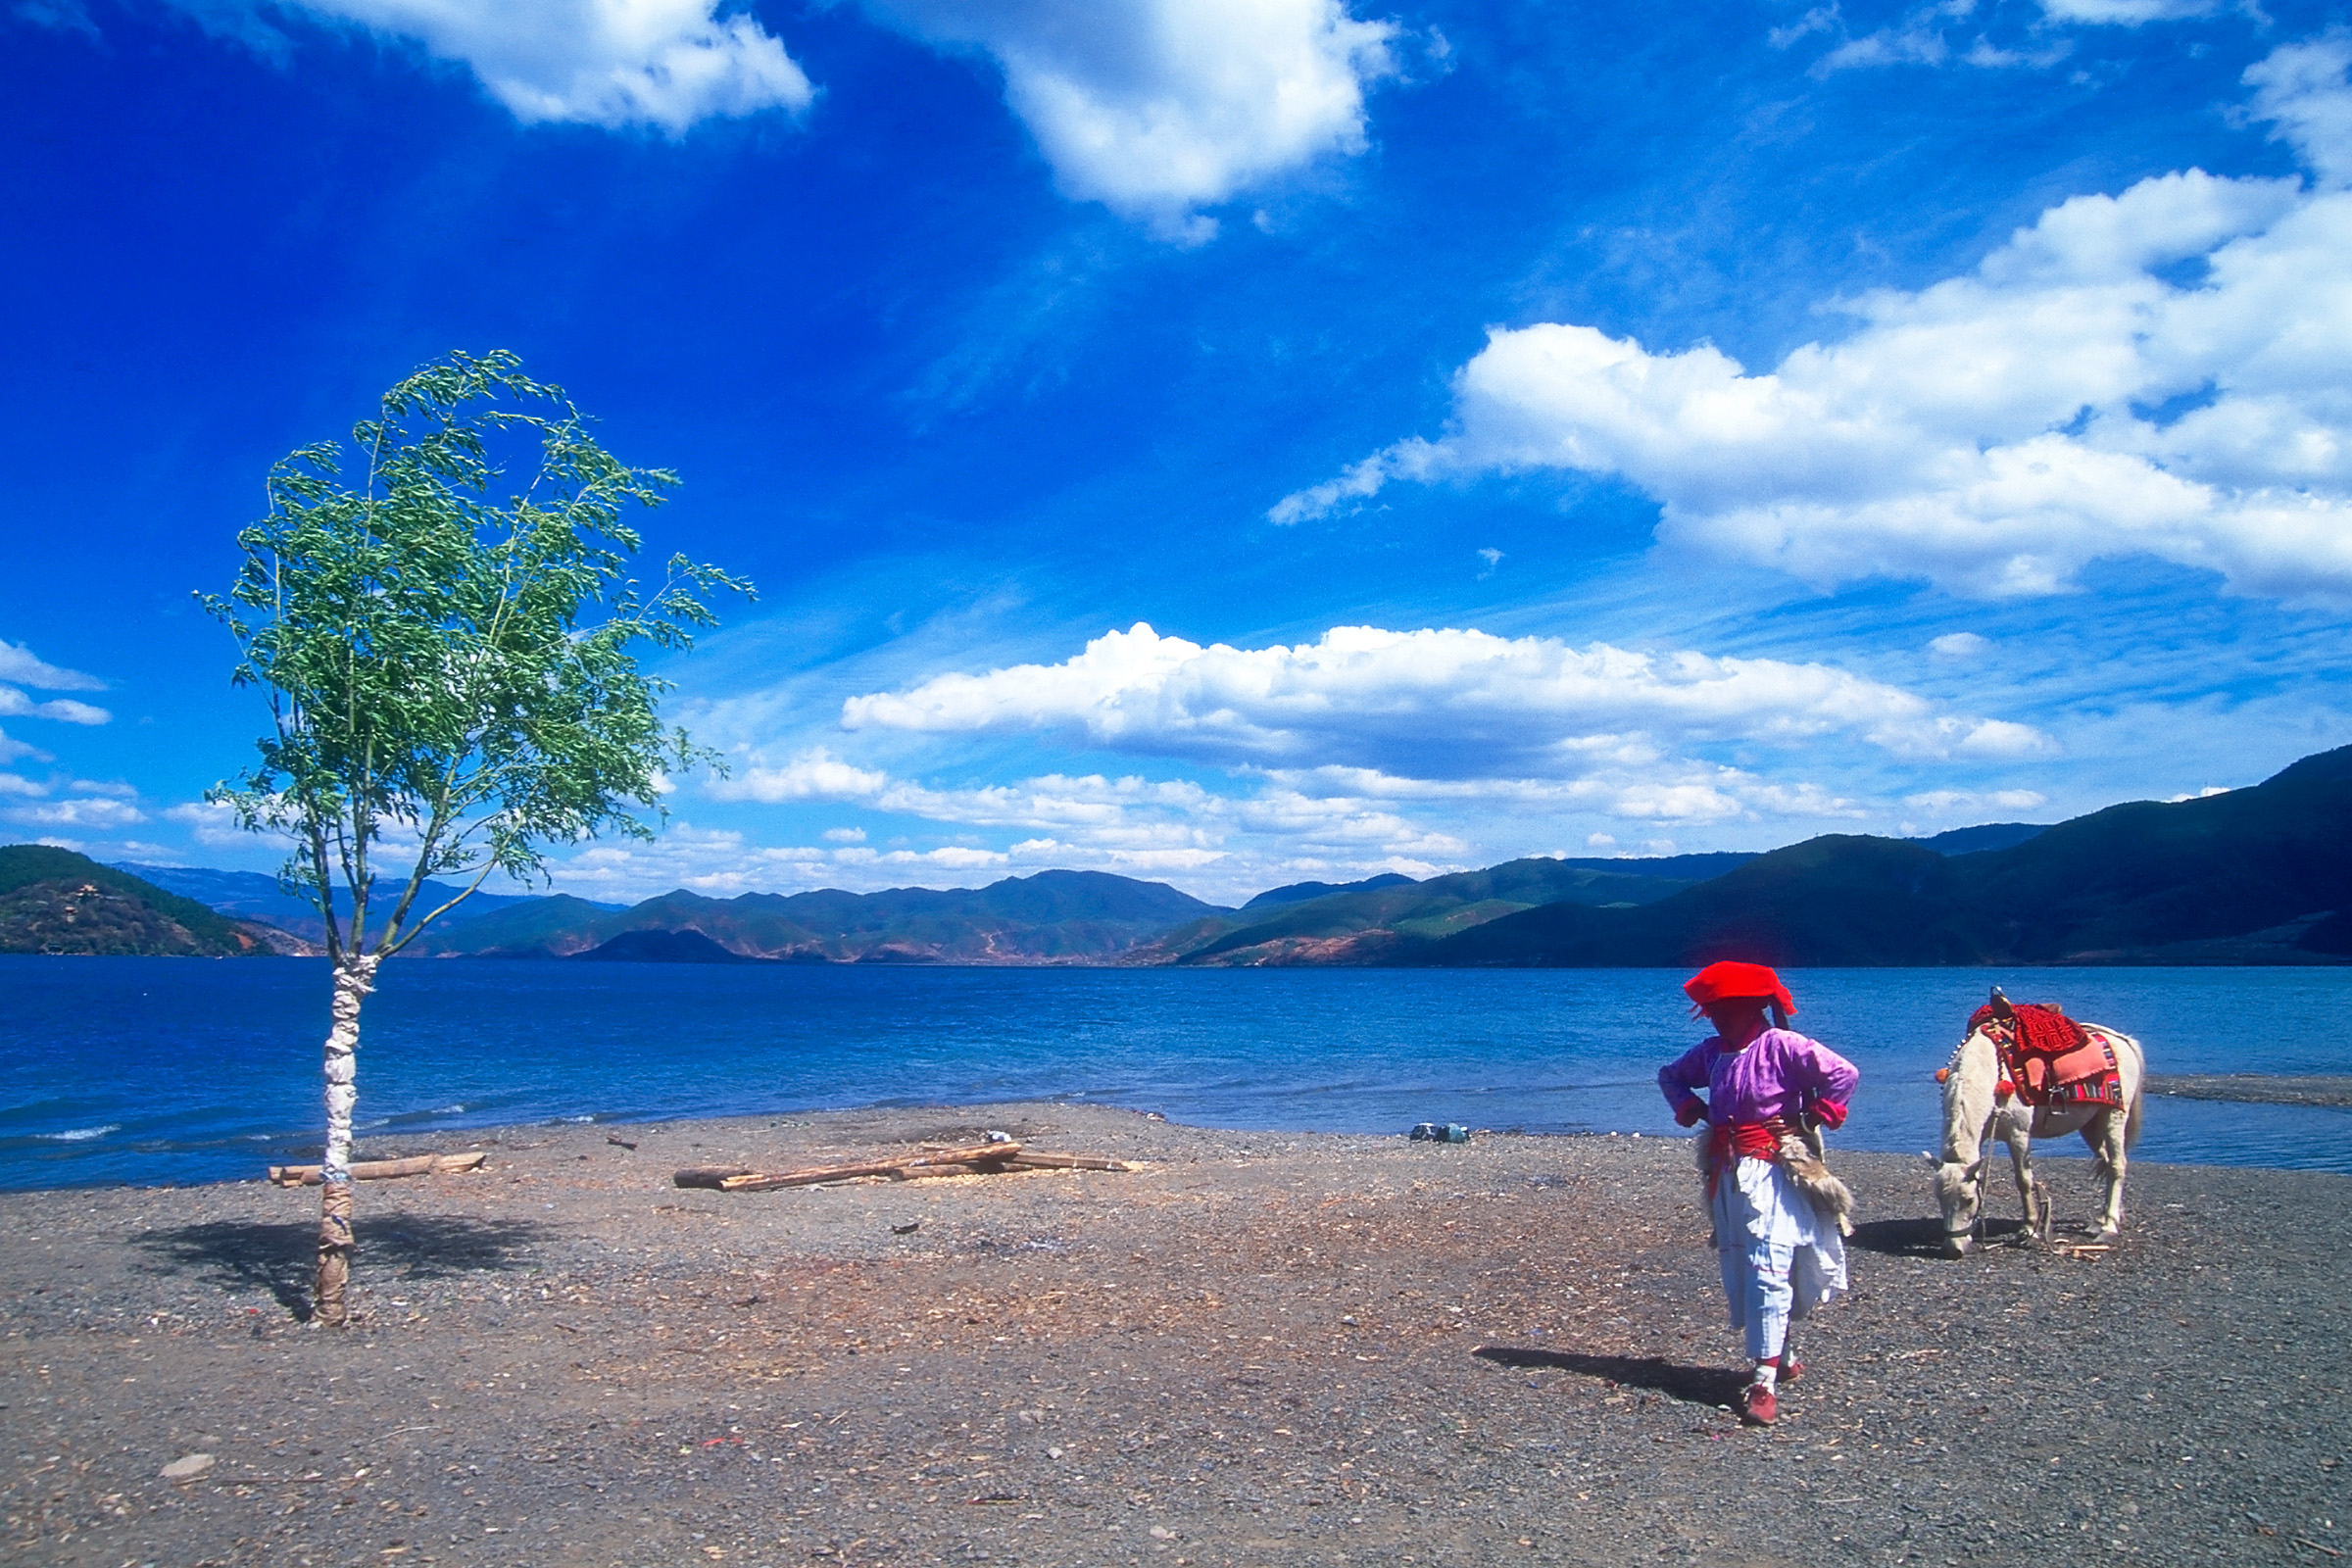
[249, 1256]
[1920, 1238]
[1693, 1384]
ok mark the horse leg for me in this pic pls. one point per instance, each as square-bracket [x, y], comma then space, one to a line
[2107, 1147]
[2032, 1196]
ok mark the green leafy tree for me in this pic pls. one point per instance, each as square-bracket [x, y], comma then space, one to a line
[452, 676]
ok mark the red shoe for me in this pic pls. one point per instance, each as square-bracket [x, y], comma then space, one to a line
[1757, 1407]
[1791, 1369]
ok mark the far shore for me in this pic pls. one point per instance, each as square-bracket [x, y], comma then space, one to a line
[2256, 1089]
[1258, 1347]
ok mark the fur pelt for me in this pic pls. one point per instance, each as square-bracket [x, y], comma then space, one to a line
[1803, 1162]
[1826, 1192]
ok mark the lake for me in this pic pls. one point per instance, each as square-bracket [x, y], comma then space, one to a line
[159, 1070]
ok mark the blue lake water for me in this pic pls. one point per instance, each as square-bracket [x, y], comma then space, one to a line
[151, 1070]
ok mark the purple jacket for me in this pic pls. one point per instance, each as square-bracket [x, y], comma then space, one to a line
[1779, 1074]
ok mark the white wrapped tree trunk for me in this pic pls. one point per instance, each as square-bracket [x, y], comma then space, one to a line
[355, 975]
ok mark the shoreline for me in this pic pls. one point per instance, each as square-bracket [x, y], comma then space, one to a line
[2302, 1091]
[1259, 1348]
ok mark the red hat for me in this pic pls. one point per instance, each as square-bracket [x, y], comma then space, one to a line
[1728, 981]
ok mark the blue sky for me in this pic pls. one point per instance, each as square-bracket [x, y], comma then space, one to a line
[1238, 441]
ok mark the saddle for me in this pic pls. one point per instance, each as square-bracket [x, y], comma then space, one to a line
[2046, 1058]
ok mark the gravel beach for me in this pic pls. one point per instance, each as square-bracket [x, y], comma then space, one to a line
[1258, 1348]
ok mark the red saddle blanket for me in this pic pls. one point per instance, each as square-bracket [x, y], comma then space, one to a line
[2050, 1060]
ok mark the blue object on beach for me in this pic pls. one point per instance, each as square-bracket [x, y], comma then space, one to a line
[1439, 1132]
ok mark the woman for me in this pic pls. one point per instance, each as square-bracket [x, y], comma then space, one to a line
[1781, 1257]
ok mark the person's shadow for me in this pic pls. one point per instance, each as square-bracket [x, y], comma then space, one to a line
[279, 1258]
[1709, 1386]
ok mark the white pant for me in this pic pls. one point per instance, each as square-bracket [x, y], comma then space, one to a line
[1781, 1257]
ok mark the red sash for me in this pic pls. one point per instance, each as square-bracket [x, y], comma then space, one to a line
[1742, 1139]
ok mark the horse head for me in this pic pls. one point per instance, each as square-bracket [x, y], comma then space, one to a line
[1960, 1192]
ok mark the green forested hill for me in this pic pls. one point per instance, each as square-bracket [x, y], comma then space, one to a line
[56, 901]
[1370, 923]
[2258, 875]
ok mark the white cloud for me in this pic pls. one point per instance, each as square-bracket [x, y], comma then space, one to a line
[215, 827]
[19, 664]
[1960, 645]
[845, 835]
[2298, 90]
[14, 751]
[1158, 108]
[2127, 13]
[2167, 372]
[1955, 803]
[81, 812]
[62, 15]
[13, 704]
[1436, 703]
[612, 63]
[18, 784]
[816, 775]
[1930, 35]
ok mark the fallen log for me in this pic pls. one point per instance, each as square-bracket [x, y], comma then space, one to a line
[708, 1177]
[378, 1170]
[1043, 1162]
[941, 1162]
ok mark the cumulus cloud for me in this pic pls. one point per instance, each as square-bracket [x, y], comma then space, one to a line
[1437, 702]
[1158, 108]
[614, 63]
[2164, 372]
[2299, 91]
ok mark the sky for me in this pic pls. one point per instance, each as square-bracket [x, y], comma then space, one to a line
[1235, 442]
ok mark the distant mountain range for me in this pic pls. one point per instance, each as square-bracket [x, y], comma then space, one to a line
[2258, 875]
[254, 895]
[1052, 917]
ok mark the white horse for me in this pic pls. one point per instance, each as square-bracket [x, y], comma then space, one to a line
[1975, 1114]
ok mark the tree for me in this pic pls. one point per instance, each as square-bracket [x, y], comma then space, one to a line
[452, 680]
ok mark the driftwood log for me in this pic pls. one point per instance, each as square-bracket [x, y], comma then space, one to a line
[935, 1162]
[984, 1159]
[378, 1170]
[1044, 1161]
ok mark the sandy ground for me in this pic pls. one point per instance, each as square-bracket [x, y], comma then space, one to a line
[1261, 1349]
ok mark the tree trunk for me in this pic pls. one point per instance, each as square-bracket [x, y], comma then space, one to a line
[354, 979]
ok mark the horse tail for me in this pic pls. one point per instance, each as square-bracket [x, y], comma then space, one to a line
[2139, 1093]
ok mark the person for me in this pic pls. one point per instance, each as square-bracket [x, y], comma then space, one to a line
[1781, 1257]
